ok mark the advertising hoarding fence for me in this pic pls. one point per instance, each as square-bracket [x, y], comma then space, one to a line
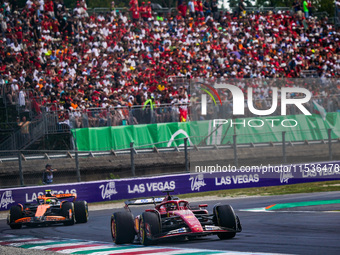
[20, 168]
[111, 190]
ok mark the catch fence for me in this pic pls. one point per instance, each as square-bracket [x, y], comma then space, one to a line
[25, 168]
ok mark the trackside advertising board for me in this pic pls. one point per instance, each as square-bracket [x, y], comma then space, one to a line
[215, 178]
[214, 132]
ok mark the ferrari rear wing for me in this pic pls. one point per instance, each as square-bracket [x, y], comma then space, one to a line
[151, 200]
[144, 201]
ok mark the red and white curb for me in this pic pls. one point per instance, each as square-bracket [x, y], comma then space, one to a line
[74, 246]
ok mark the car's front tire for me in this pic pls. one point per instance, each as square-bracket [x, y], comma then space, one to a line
[149, 226]
[15, 213]
[122, 227]
[226, 217]
[81, 211]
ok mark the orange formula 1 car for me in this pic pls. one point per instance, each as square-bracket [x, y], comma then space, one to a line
[49, 209]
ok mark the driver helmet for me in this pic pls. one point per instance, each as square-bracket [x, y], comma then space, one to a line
[48, 193]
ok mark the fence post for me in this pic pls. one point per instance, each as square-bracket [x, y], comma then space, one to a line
[76, 156]
[152, 116]
[330, 144]
[132, 153]
[14, 142]
[235, 151]
[284, 147]
[20, 170]
[186, 154]
[77, 166]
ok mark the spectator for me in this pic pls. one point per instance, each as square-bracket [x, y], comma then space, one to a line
[21, 99]
[214, 9]
[48, 174]
[298, 8]
[241, 9]
[181, 7]
[149, 10]
[135, 11]
[305, 9]
[191, 7]
[144, 11]
[296, 5]
[310, 8]
[206, 8]
[77, 60]
[24, 125]
[113, 9]
[200, 12]
[183, 108]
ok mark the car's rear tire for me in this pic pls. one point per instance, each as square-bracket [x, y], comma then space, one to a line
[149, 226]
[81, 211]
[15, 213]
[225, 217]
[122, 227]
[69, 215]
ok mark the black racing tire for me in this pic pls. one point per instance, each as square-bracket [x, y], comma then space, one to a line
[226, 217]
[150, 223]
[81, 211]
[15, 213]
[122, 227]
[65, 211]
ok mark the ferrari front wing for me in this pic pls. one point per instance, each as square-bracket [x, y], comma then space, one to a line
[185, 231]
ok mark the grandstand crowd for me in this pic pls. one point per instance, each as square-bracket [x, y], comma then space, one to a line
[62, 59]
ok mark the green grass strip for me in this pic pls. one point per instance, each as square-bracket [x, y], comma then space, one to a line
[307, 203]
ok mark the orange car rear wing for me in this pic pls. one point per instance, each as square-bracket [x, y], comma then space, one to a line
[69, 195]
[59, 196]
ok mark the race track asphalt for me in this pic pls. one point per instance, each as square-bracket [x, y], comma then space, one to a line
[288, 232]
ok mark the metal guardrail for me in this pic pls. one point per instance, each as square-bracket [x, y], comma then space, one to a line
[62, 121]
[121, 116]
[309, 74]
[334, 20]
[264, 9]
[91, 154]
[25, 177]
[276, 9]
[120, 9]
[252, 9]
[174, 9]
[320, 14]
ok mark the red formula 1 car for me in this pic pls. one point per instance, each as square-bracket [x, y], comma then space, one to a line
[49, 209]
[172, 217]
